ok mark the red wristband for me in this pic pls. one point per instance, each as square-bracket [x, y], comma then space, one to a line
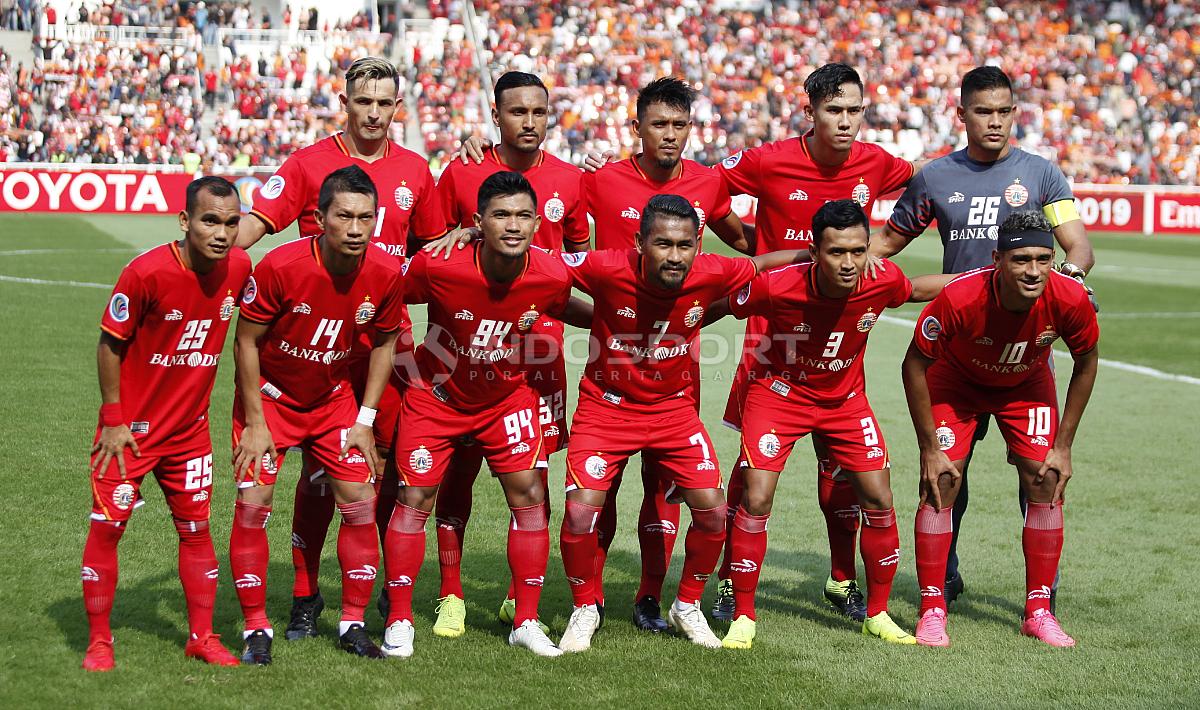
[111, 414]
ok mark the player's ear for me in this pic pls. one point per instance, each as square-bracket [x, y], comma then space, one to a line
[495, 117]
[808, 111]
[637, 242]
[478, 219]
[320, 217]
[637, 126]
[183, 221]
[961, 111]
[537, 223]
[344, 101]
[812, 252]
[996, 257]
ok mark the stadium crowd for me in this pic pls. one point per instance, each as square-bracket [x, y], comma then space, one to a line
[1109, 90]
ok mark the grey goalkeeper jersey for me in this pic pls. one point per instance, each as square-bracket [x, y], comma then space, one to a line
[970, 200]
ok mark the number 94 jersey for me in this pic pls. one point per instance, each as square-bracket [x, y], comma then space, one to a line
[967, 330]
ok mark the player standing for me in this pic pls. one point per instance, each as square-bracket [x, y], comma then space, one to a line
[792, 179]
[983, 346]
[818, 318]
[521, 113]
[970, 192]
[160, 341]
[408, 208]
[635, 397]
[304, 311]
[484, 301]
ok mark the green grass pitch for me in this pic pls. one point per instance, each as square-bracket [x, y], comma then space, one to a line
[1129, 568]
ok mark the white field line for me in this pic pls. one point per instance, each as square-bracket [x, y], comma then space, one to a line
[45, 282]
[1114, 364]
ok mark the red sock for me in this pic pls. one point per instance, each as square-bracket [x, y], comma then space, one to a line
[702, 550]
[99, 574]
[452, 511]
[512, 581]
[933, 533]
[880, 545]
[404, 551]
[249, 553]
[733, 499]
[528, 551]
[749, 547]
[839, 503]
[310, 525]
[1042, 540]
[577, 542]
[358, 555]
[606, 530]
[197, 574]
[658, 525]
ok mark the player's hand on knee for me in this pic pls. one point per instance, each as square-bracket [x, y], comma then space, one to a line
[112, 443]
[362, 437]
[473, 149]
[934, 465]
[1057, 461]
[455, 238]
[254, 449]
[595, 161]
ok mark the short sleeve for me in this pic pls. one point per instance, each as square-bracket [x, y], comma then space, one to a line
[754, 299]
[741, 172]
[428, 220]
[914, 210]
[1081, 329]
[1055, 187]
[897, 172]
[722, 204]
[902, 287]
[415, 279]
[582, 268]
[448, 199]
[575, 223]
[262, 298]
[281, 199]
[934, 327]
[126, 306]
[737, 272]
[390, 313]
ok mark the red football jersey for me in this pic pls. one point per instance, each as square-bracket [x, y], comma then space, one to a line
[790, 187]
[475, 348]
[173, 321]
[817, 342]
[618, 192]
[315, 317]
[559, 188]
[968, 330]
[407, 195]
[642, 346]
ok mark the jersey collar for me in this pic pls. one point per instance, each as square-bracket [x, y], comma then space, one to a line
[642, 174]
[341, 146]
[476, 246]
[496, 157]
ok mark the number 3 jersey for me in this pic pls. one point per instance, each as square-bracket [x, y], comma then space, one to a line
[968, 330]
[173, 322]
[314, 318]
[476, 349]
[817, 343]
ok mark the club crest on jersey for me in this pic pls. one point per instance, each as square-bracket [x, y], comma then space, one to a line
[1045, 338]
[732, 161]
[554, 209]
[931, 328]
[527, 319]
[420, 460]
[404, 197]
[945, 437]
[1016, 194]
[122, 496]
[118, 307]
[693, 316]
[227, 305]
[365, 312]
[595, 467]
[768, 445]
[273, 187]
[861, 194]
[867, 321]
[250, 292]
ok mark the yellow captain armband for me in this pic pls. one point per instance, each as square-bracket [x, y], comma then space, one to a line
[1061, 212]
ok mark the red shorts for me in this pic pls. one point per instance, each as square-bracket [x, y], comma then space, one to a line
[546, 373]
[750, 368]
[773, 423]
[185, 479]
[508, 434]
[1027, 415]
[605, 436]
[320, 432]
[387, 418]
